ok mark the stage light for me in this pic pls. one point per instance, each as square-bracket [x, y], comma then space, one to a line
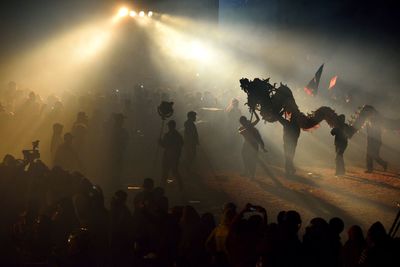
[132, 13]
[197, 50]
[141, 13]
[150, 14]
[123, 12]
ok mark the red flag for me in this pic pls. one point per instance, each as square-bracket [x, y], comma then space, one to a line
[312, 86]
[332, 83]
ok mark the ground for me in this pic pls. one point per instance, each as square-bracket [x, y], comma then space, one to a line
[357, 197]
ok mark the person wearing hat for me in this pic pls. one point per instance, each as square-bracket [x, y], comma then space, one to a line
[172, 142]
[191, 140]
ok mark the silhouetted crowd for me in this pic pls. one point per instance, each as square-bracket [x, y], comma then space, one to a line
[55, 216]
[51, 217]
[104, 134]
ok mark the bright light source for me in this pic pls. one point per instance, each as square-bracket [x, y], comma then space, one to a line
[141, 13]
[150, 14]
[197, 50]
[132, 13]
[123, 12]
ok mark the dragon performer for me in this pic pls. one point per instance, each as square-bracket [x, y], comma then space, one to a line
[277, 104]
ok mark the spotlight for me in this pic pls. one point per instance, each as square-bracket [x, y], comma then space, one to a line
[141, 13]
[150, 14]
[123, 12]
[132, 13]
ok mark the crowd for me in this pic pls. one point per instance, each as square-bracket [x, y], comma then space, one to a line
[104, 134]
[51, 217]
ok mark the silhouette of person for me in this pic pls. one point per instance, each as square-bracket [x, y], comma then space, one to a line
[81, 118]
[56, 139]
[66, 157]
[291, 133]
[118, 143]
[252, 142]
[191, 140]
[79, 131]
[233, 110]
[172, 142]
[145, 195]
[233, 114]
[374, 143]
[340, 144]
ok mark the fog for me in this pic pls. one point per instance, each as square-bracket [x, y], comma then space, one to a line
[97, 64]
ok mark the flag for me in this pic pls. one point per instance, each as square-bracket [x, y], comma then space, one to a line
[332, 83]
[312, 86]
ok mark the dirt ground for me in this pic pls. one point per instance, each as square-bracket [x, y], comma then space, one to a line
[358, 197]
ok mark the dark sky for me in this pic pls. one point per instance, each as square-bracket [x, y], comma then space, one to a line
[22, 23]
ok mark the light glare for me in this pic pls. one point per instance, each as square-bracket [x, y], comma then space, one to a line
[150, 14]
[123, 12]
[141, 13]
[132, 13]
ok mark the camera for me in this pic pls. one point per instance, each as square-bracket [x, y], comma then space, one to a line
[30, 155]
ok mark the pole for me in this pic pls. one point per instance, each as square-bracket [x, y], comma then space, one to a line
[158, 145]
[395, 225]
[251, 116]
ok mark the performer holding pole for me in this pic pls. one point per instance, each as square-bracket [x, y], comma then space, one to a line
[374, 143]
[252, 142]
[340, 144]
[291, 133]
[172, 142]
[191, 140]
[165, 110]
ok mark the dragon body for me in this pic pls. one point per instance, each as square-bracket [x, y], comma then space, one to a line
[272, 102]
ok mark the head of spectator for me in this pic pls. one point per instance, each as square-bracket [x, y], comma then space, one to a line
[171, 125]
[336, 225]
[191, 116]
[281, 217]
[292, 221]
[81, 117]
[57, 128]
[355, 234]
[376, 234]
[148, 185]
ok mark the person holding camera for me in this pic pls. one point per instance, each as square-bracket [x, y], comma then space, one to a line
[172, 142]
